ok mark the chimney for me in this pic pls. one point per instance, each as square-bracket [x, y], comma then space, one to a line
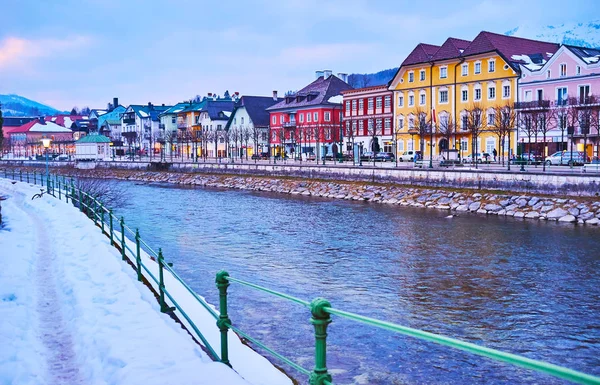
[318, 74]
[115, 102]
[163, 104]
[275, 95]
[42, 120]
[327, 74]
[149, 104]
[343, 77]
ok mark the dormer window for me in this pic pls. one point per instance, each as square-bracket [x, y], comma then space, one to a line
[563, 70]
[548, 74]
[578, 70]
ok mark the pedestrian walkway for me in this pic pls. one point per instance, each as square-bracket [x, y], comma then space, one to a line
[72, 313]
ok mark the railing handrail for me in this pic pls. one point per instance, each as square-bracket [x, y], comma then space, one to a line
[321, 309]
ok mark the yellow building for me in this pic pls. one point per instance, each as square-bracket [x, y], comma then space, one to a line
[453, 80]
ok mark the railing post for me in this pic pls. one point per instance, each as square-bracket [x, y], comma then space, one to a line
[161, 283]
[94, 204]
[13, 170]
[20, 175]
[110, 213]
[223, 322]
[34, 177]
[123, 238]
[80, 201]
[59, 192]
[102, 216]
[320, 320]
[138, 256]
[27, 174]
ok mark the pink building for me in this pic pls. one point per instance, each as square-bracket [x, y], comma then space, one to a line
[567, 88]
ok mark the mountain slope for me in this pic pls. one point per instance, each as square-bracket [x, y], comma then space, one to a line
[15, 105]
[580, 34]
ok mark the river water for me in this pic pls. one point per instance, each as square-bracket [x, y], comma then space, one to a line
[526, 287]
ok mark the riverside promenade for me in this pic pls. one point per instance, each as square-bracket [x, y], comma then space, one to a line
[72, 312]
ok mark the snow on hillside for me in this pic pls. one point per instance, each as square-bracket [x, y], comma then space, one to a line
[16, 105]
[580, 34]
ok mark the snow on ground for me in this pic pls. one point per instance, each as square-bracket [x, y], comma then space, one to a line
[71, 312]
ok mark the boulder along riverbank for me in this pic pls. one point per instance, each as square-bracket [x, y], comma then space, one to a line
[532, 207]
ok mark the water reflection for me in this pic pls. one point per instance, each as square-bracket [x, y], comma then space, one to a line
[526, 287]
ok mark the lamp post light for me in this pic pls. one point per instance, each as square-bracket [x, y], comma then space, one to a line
[522, 159]
[46, 143]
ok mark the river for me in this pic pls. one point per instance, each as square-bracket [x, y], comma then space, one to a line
[526, 287]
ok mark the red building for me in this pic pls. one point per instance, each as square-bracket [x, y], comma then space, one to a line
[25, 140]
[309, 121]
[369, 119]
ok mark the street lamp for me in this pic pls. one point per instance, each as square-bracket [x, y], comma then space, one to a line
[360, 151]
[522, 158]
[571, 132]
[46, 143]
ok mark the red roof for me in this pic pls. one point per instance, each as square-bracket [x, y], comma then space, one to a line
[510, 46]
[421, 54]
[23, 128]
[452, 48]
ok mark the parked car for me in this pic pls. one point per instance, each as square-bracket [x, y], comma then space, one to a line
[366, 156]
[385, 157]
[409, 156]
[259, 156]
[565, 158]
[62, 157]
[593, 165]
[480, 157]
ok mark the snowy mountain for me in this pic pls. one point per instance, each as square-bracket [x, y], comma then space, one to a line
[15, 105]
[580, 34]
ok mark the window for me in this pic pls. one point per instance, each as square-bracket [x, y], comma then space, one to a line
[465, 69]
[327, 116]
[401, 123]
[561, 96]
[465, 95]
[444, 96]
[411, 122]
[578, 68]
[174, 120]
[354, 105]
[316, 116]
[388, 102]
[274, 119]
[378, 127]
[411, 77]
[281, 119]
[464, 145]
[274, 136]
[422, 75]
[361, 126]
[328, 134]
[308, 117]
[506, 91]
[378, 102]
[464, 122]
[563, 70]
[301, 117]
[491, 118]
[409, 145]
[361, 105]
[491, 66]
[199, 117]
[584, 94]
[242, 123]
[370, 104]
[477, 68]
[540, 94]
[443, 72]
[411, 100]
[354, 128]
[548, 74]
[527, 96]
[370, 125]
[347, 105]
[491, 93]
[477, 93]
[400, 101]
[422, 99]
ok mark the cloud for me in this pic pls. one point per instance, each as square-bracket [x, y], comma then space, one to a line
[16, 52]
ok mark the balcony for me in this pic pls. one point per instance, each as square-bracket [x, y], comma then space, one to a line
[290, 124]
[129, 120]
[532, 105]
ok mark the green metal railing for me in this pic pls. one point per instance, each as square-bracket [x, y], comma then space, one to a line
[320, 309]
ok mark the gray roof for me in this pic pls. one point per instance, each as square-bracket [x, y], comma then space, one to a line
[316, 93]
[256, 107]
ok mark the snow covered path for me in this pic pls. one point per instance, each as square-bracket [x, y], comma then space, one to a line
[72, 313]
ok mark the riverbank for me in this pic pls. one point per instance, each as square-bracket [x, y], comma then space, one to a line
[581, 210]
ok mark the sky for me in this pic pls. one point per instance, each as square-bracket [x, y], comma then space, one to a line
[67, 53]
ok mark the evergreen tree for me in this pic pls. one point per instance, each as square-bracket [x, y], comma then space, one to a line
[226, 95]
[74, 111]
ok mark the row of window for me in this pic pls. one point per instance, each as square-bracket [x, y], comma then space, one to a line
[464, 70]
[360, 103]
[377, 123]
[583, 92]
[310, 117]
[443, 96]
[491, 119]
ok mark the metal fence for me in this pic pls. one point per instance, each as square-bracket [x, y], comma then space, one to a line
[130, 245]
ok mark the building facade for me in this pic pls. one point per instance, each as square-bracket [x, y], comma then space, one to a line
[308, 122]
[560, 94]
[368, 116]
[448, 98]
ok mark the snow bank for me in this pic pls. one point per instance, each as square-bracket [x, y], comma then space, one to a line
[110, 322]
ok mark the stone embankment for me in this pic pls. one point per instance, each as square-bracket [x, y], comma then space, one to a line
[538, 207]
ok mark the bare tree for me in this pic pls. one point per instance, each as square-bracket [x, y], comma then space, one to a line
[447, 130]
[588, 110]
[420, 126]
[245, 134]
[502, 125]
[350, 134]
[475, 125]
[234, 134]
[105, 191]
